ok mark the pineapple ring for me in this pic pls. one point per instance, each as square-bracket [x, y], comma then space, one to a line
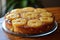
[46, 19]
[16, 11]
[28, 9]
[40, 10]
[18, 22]
[29, 15]
[34, 23]
[12, 16]
[46, 14]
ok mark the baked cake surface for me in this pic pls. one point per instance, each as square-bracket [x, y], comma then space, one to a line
[29, 20]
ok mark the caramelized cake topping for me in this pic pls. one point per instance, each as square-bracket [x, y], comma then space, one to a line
[29, 16]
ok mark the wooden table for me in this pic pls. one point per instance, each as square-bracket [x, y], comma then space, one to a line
[53, 36]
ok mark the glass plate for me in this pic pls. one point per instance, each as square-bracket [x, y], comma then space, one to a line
[35, 35]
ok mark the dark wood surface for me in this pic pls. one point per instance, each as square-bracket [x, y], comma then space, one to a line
[53, 36]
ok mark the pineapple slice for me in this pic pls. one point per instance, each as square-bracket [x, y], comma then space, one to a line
[46, 19]
[12, 16]
[18, 22]
[28, 9]
[19, 11]
[34, 23]
[39, 10]
[29, 15]
[45, 14]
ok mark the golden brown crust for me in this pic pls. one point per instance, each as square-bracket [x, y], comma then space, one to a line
[29, 20]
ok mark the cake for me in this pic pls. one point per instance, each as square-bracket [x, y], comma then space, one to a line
[29, 20]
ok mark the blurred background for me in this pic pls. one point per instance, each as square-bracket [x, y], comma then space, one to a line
[7, 5]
